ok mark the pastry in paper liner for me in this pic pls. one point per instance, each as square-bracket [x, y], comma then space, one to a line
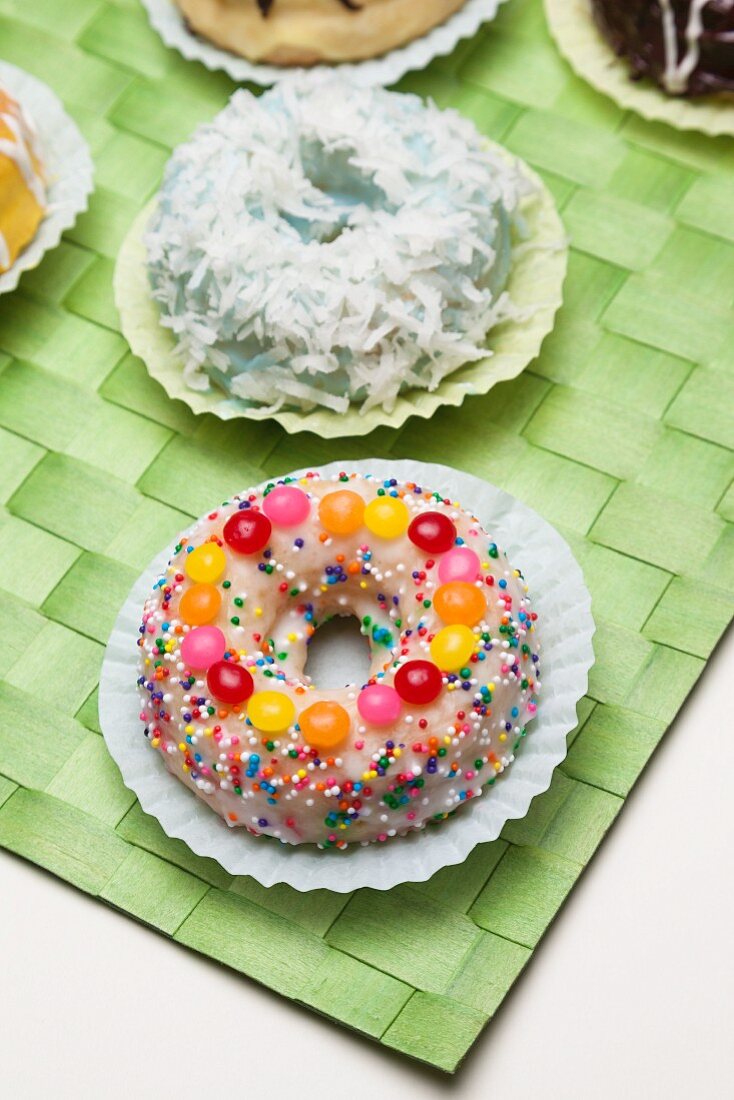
[591, 57]
[166, 18]
[535, 286]
[67, 163]
[562, 600]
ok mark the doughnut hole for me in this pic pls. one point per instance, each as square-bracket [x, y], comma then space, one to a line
[343, 183]
[338, 654]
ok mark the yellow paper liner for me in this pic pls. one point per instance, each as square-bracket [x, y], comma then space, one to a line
[591, 57]
[536, 281]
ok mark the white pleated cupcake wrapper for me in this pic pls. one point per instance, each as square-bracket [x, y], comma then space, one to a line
[67, 163]
[566, 627]
[166, 18]
[591, 57]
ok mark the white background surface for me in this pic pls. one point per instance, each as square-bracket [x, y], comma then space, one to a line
[630, 995]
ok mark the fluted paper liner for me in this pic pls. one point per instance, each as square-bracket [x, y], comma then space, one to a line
[166, 18]
[591, 57]
[67, 164]
[565, 630]
[535, 282]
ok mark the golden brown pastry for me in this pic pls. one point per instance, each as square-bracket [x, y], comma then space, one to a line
[306, 32]
[22, 190]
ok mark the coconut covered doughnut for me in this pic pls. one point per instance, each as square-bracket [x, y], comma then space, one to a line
[304, 32]
[325, 244]
[223, 643]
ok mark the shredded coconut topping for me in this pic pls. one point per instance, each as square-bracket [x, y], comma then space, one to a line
[326, 244]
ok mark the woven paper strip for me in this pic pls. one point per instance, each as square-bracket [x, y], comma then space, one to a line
[621, 434]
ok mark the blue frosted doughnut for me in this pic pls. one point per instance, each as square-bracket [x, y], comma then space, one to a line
[326, 244]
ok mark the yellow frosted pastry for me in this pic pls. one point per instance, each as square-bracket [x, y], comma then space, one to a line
[22, 188]
[306, 32]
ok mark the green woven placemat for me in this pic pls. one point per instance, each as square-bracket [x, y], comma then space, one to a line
[621, 434]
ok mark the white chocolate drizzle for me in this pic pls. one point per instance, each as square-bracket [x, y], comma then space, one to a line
[678, 70]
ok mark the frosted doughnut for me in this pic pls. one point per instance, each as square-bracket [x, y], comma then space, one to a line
[326, 244]
[223, 642]
[304, 32]
[22, 186]
[687, 46]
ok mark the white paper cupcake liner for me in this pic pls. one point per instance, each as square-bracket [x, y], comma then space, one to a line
[591, 57]
[167, 20]
[566, 627]
[67, 161]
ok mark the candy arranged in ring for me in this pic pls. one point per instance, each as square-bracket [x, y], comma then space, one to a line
[223, 644]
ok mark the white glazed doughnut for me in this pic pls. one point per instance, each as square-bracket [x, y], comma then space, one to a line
[454, 674]
[325, 244]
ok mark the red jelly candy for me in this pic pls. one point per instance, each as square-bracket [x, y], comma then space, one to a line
[230, 683]
[433, 532]
[247, 532]
[418, 682]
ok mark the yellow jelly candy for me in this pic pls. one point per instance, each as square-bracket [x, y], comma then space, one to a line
[452, 647]
[324, 725]
[200, 604]
[387, 517]
[460, 602]
[271, 711]
[342, 512]
[206, 563]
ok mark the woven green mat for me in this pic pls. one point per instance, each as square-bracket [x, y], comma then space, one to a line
[621, 434]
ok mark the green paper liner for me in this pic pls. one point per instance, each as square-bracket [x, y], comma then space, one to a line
[535, 284]
[572, 25]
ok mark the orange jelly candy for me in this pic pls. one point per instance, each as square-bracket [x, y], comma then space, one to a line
[324, 725]
[342, 512]
[200, 604]
[460, 602]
